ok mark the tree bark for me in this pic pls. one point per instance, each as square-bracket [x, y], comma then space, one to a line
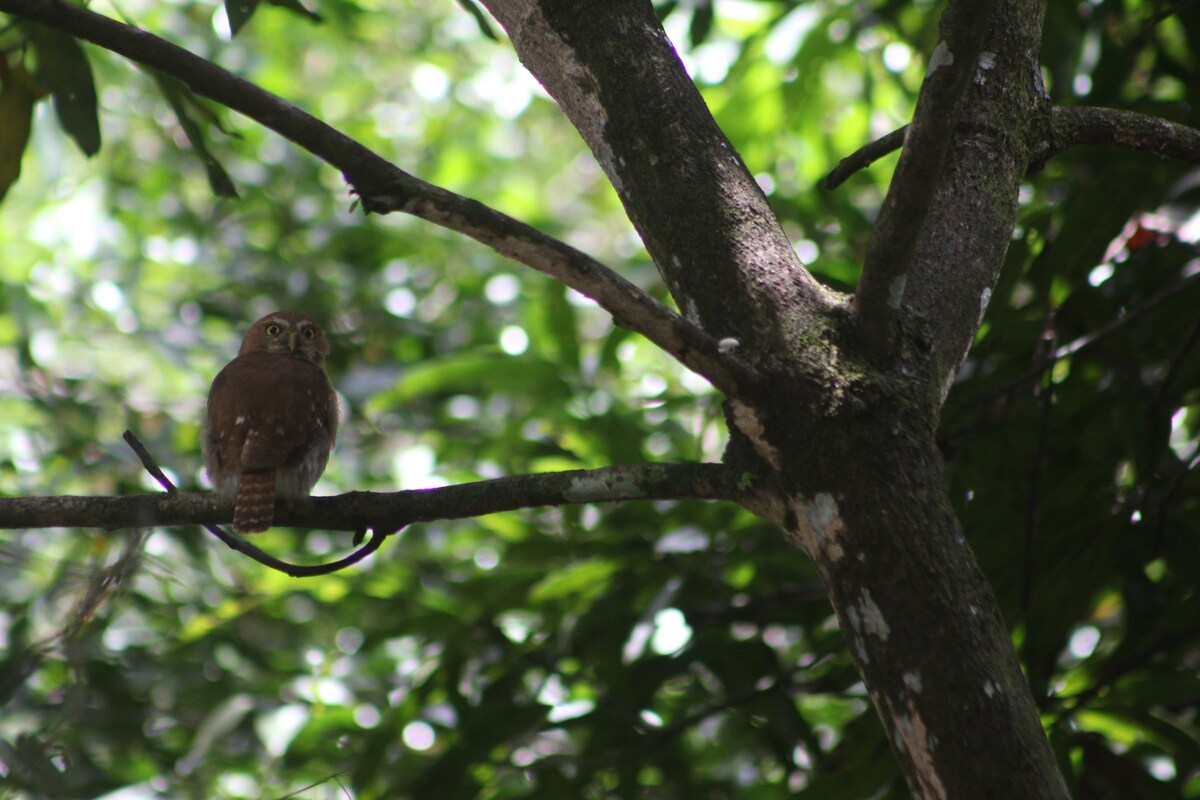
[836, 430]
[699, 211]
[840, 440]
[385, 511]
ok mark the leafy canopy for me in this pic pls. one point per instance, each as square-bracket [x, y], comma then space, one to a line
[650, 649]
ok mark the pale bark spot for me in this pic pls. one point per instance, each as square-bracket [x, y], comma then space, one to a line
[585, 490]
[855, 619]
[985, 297]
[896, 292]
[989, 689]
[912, 737]
[827, 528]
[747, 420]
[861, 650]
[854, 635]
[912, 681]
[582, 490]
[948, 383]
[942, 57]
[873, 619]
[575, 85]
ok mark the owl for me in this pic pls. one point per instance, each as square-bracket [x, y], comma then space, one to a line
[271, 419]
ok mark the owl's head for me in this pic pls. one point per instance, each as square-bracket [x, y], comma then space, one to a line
[287, 332]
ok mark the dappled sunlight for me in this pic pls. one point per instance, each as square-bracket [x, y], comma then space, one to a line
[669, 647]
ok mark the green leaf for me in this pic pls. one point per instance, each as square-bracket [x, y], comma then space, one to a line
[64, 68]
[702, 22]
[18, 93]
[239, 13]
[588, 578]
[178, 95]
[482, 371]
[553, 326]
[481, 19]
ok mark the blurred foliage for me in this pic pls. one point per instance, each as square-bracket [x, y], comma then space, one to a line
[644, 650]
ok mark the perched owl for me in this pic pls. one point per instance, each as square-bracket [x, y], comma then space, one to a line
[271, 420]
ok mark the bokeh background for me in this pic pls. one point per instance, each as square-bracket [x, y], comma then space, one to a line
[654, 649]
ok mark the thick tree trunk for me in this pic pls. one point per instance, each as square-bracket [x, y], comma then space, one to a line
[842, 443]
[866, 500]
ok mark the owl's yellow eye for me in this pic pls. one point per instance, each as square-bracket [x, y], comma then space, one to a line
[309, 333]
[273, 330]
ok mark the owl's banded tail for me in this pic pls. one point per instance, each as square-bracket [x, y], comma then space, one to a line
[254, 508]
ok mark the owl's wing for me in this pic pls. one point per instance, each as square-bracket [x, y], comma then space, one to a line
[267, 410]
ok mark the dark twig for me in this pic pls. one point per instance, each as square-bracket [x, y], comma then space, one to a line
[241, 545]
[384, 187]
[1088, 341]
[148, 461]
[785, 685]
[864, 156]
[1045, 395]
[334, 777]
[1143, 37]
[1161, 409]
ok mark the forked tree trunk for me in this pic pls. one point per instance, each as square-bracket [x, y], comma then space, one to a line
[837, 429]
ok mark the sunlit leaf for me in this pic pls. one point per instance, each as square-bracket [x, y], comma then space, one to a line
[490, 371]
[584, 578]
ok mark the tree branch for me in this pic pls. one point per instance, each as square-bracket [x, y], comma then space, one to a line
[864, 156]
[716, 242]
[1071, 126]
[386, 511]
[240, 545]
[384, 188]
[893, 246]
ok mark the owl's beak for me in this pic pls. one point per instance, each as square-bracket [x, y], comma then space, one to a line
[291, 341]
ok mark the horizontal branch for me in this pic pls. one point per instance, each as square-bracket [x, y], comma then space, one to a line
[385, 512]
[1071, 126]
[384, 187]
